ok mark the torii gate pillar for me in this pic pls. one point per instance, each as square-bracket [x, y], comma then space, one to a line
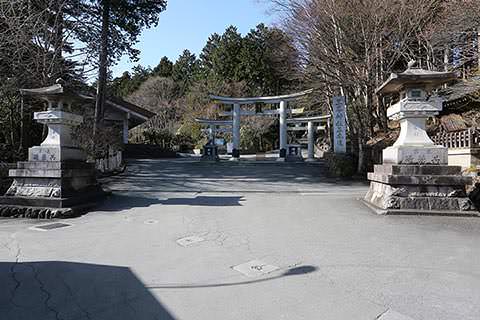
[236, 131]
[311, 141]
[283, 128]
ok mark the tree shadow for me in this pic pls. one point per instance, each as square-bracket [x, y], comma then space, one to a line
[171, 176]
[69, 290]
[118, 202]
[208, 201]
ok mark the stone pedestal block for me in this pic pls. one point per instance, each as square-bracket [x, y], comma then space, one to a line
[402, 154]
[419, 189]
[210, 153]
[55, 153]
[294, 153]
[60, 188]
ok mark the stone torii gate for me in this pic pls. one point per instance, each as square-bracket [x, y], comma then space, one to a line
[282, 111]
[310, 128]
[214, 126]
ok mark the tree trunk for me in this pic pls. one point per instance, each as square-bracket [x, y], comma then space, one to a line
[22, 125]
[103, 65]
[361, 153]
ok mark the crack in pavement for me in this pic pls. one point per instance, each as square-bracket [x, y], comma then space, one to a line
[12, 269]
[36, 274]
[70, 293]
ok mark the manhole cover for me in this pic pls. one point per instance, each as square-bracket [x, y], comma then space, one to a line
[188, 241]
[51, 226]
[151, 222]
[255, 268]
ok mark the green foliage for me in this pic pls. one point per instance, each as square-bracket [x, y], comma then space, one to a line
[126, 21]
[127, 83]
[220, 57]
[262, 62]
[190, 129]
[97, 146]
[161, 137]
[185, 143]
[164, 68]
[185, 69]
[340, 165]
[268, 61]
[265, 59]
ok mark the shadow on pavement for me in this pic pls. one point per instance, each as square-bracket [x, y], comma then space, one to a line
[171, 176]
[208, 201]
[118, 202]
[290, 272]
[69, 290]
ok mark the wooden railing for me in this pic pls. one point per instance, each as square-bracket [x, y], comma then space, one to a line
[469, 138]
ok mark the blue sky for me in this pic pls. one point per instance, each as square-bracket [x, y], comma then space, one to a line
[187, 24]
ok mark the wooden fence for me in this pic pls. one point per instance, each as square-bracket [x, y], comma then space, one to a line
[469, 138]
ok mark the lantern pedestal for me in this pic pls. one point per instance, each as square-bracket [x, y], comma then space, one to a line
[56, 181]
[419, 189]
[414, 177]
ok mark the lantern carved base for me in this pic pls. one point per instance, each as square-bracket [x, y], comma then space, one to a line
[415, 155]
[419, 189]
[51, 189]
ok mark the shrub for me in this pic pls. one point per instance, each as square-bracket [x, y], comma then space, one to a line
[340, 165]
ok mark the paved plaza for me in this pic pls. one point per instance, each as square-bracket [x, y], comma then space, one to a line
[189, 240]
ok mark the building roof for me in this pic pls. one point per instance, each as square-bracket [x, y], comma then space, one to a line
[58, 90]
[133, 109]
[461, 93]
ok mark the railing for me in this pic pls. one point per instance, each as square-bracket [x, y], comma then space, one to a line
[469, 138]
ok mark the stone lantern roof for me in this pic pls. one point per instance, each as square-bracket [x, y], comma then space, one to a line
[53, 93]
[414, 77]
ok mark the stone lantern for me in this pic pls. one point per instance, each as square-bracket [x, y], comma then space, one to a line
[56, 181]
[414, 177]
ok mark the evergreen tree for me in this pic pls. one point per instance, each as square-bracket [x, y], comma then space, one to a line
[164, 68]
[185, 69]
[220, 57]
[110, 29]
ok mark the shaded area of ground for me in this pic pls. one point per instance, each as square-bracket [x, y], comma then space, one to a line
[196, 176]
[335, 258]
[65, 290]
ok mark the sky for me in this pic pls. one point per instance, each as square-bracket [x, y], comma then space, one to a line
[187, 24]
